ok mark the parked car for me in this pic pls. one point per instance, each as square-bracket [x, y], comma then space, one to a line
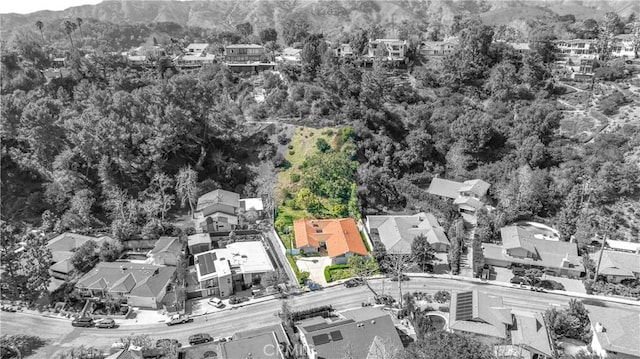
[353, 282]
[106, 323]
[403, 277]
[517, 280]
[199, 338]
[167, 343]
[518, 271]
[177, 319]
[216, 302]
[314, 286]
[82, 322]
[237, 300]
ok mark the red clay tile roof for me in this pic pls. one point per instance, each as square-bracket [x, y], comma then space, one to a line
[340, 235]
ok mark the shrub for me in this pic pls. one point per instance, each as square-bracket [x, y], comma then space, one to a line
[295, 177]
[290, 147]
[292, 152]
[551, 285]
[283, 139]
[443, 308]
[442, 296]
[322, 145]
[336, 272]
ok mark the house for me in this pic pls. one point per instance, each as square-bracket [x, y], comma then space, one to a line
[396, 233]
[216, 211]
[247, 58]
[62, 248]
[531, 336]
[137, 284]
[521, 248]
[340, 238]
[290, 55]
[389, 49]
[187, 61]
[196, 48]
[617, 266]
[343, 50]
[166, 251]
[222, 272]
[577, 55]
[270, 342]
[615, 332]
[366, 333]
[144, 55]
[469, 196]
[623, 246]
[623, 46]
[520, 47]
[252, 204]
[480, 314]
[438, 48]
[199, 243]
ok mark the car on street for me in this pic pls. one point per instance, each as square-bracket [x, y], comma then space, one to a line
[517, 280]
[82, 322]
[216, 302]
[403, 277]
[106, 323]
[178, 319]
[238, 300]
[199, 338]
[353, 282]
[313, 286]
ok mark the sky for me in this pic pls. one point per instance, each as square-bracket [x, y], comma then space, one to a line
[28, 6]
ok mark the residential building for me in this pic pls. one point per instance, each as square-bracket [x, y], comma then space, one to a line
[337, 238]
[343, 50]
[396, 233]
[199, 243]
[166, 251]
[577, 56]
[514, 334]
[521, 248]
[290, 55]
[469, 196]
[438, 48]
[617, 266]
[139, 285]
[216, 211]
[520, 47]
[187, 61]
[222, 272]
[615, 332]
[624, 246]
[247, 58]
[63, 247]
[623, 46]
[388, 49]
[144, 55]
[269, 342]
[367, 333]
[252, 204]
[196, 49]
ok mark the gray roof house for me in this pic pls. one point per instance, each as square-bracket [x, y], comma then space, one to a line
[469, 196]
[396, 233]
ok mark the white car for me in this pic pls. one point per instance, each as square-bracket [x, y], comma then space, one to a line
[216, 302]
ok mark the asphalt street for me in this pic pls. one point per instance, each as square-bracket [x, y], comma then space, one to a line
[61, 334]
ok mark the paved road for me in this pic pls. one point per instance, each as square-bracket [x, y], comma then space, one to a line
[60, 333]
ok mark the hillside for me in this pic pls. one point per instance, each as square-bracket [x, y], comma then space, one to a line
[328, 16]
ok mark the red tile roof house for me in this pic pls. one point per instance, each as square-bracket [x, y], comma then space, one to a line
[485, 317]
[468, 196]
[396, 233]
[367, 333]
[340, 237]
[618, 266]
[520, 247]
[616, 332]
[166, 251]
[217, 211]
[62, 248]
[137, 284]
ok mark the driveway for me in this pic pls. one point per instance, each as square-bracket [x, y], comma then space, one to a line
[315, 266]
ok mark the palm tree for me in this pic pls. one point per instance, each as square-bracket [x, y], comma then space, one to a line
[68, 28]
[40, 25]
[79, 22]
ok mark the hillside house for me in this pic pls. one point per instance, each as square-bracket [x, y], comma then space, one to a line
[396, 233]
[166, 252]
[388, 49]
[337, 238]
[469, 196]
[615, 332]
[247, 58]
[222, 272]
[63, 247]
[438, 48]
[343, 50]
[520, 248]
[216, 211]
[617, 266]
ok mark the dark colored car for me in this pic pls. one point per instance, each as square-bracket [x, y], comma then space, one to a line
[167, 343]
[314, 286]
[517, 271]
[179, 320]
[82, 322]
[353, 282]
[106, 323]
[517, 280]
[402, 277]
[237, 300]
[199, 339]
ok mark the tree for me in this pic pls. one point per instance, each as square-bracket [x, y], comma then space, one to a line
[456, 238]
[12, 283]
[478, 255]
[37, 262]
[608, 27]
[311, 55]
[396, 265]
[68, 29]
[307, 200]
[570, 213]
[268, 34]
[79, 22]
[40, 25]
[186, 187]
[533, 277]
[445, 345]
[110, 250]
[85, 257]
[502, 81]
[23, 345]
[273, 278]
[245, 29]
[363, 267]
[159, 192]
[422, 254]
[322, 145]
[295, 28]
[141, 340]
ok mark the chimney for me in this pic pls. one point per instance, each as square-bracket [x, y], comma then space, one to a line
[599, 328]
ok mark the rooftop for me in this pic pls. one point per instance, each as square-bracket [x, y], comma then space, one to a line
[531, 332]
[623, 245]
[398, 232]
[620, 263]
[167, 244]
[133, 278]
[479, 313]
[244, 46]
[618, 331]
[219, 196]
[255, 204]
[239, 257]
[340, 235]
[444, 188]
[199, 238]
[261, 346]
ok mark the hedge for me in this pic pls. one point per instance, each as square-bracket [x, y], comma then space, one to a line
[331, 268]
[301, 276]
